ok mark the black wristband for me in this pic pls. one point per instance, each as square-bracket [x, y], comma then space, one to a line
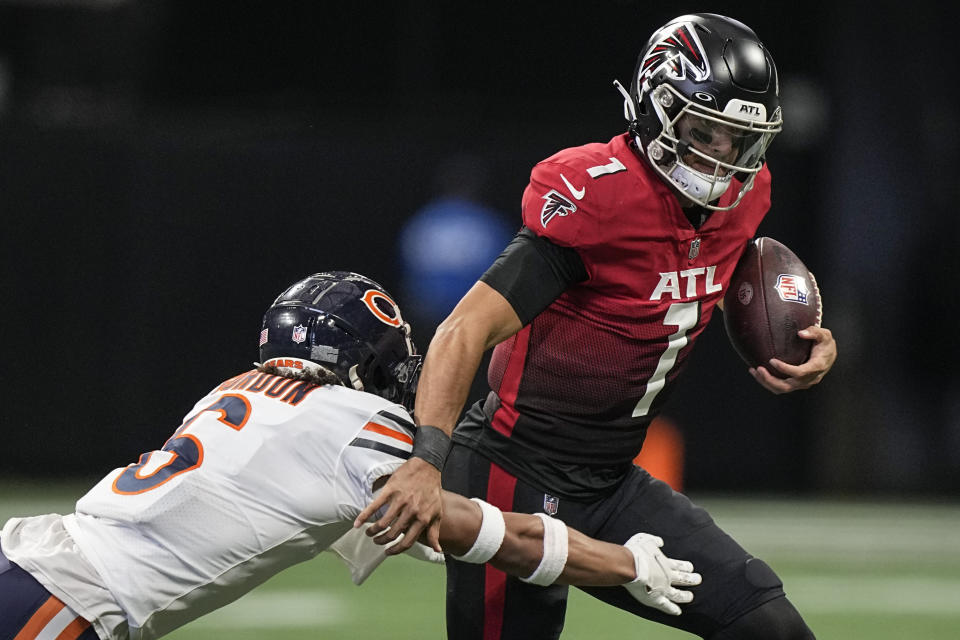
[431, 444]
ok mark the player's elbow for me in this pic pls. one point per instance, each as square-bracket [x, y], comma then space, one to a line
[461, 332]
[483, 318]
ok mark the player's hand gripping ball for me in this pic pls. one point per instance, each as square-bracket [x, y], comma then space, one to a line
[772, 295]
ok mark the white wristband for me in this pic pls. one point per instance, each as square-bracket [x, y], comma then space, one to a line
[554, 552]
[492, 530]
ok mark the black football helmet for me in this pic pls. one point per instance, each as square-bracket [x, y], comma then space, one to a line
[704, 105]
[349, 325]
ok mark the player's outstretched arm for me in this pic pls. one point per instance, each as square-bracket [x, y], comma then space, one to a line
[480, 320]
[542, 550]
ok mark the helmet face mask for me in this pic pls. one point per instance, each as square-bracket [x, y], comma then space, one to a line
[704, 106]
[349, 325]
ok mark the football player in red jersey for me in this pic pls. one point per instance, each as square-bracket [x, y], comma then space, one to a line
[626, 249]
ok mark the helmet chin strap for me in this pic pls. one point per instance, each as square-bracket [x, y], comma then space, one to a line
[355, 380]
[629, 109]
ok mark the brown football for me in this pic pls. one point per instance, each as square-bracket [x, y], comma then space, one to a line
[772, 295]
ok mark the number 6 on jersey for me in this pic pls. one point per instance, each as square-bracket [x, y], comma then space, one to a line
[183, 451]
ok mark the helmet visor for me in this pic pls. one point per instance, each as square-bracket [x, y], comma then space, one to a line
[719, 147]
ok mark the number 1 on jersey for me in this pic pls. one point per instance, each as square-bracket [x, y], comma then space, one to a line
[683, 316]
[614, 166]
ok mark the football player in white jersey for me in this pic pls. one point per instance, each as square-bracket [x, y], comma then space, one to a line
[267, 470]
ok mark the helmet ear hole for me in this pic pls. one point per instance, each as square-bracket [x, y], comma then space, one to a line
[371, 372]
[375, 378]
[642, 108]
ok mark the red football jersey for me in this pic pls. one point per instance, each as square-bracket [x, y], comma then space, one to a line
[581, 382]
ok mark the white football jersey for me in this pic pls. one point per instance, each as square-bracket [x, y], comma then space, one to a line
[264, 472]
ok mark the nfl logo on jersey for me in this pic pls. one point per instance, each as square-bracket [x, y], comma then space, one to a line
[299, 333]
[550, 504]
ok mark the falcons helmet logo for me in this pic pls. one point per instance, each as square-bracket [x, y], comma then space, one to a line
[555, 205]
[679, 51]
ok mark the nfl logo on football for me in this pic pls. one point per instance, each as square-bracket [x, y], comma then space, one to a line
[299, 333]
[550, 504]
[792, 288]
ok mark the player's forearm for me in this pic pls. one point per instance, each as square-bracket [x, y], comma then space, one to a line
[593, 563]
[480, 320]
[590, 563]
[452, 362]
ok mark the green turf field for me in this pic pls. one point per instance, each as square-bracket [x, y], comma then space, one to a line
[877, 571]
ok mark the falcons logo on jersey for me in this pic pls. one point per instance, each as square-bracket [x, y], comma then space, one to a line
[555, 205]
[679, 51]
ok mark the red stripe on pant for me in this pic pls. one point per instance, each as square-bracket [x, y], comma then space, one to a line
[500, 490]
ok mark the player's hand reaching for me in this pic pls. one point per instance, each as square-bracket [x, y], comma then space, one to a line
[803, 376]
[657, 575]
[413, 493]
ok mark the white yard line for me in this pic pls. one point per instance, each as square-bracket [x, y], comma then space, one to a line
[271, 609]
[835, 530]
[875, 594]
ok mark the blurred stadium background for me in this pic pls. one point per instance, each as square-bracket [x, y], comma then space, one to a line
[166, 167]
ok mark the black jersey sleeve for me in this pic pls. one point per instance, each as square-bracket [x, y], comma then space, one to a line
[532, 272]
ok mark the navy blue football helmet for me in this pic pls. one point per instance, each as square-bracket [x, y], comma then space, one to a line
[349, 325]
[703, 105]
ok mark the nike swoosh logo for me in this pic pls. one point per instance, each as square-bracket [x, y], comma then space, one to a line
[577, 193]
